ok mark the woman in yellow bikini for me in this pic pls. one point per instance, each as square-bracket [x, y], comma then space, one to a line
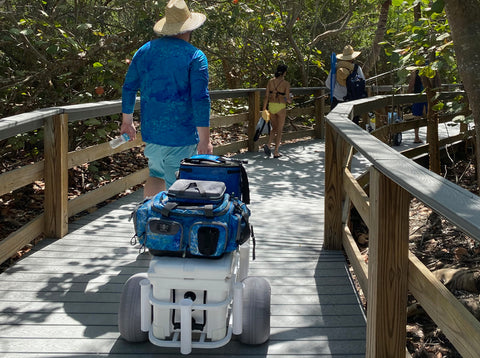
[276, 98]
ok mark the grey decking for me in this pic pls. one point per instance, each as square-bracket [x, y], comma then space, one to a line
[61, 301]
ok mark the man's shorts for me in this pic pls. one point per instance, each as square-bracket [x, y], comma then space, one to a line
[164, 161]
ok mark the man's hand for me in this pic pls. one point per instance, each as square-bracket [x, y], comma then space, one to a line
[128, 126]
[205, 148]
[204, 145]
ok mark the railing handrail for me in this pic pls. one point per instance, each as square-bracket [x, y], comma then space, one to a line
[392, 271]
[25, 122]
[440, 194]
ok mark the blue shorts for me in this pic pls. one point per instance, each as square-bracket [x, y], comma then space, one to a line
[164, 161]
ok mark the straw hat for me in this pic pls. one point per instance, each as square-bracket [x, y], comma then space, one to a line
[348, 53]
[178, 19]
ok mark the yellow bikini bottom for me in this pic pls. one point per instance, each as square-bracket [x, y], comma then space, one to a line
[274, 108]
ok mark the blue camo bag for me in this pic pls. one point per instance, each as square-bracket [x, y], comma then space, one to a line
[169, 227]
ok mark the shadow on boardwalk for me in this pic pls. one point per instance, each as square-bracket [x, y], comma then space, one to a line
[62, 300]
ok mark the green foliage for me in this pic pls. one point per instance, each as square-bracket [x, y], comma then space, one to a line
[425, 45]
[57, 53]
[73, 51]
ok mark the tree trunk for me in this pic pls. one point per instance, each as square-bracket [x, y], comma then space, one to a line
[464, 19]
[379, 36]
[293, 15]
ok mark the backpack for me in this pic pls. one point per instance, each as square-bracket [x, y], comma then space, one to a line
[355, 86]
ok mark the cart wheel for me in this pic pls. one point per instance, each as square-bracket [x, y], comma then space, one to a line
[256, 311]
[129, 315]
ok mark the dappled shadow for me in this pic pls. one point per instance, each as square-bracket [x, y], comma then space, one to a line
[320, 313]
[80, 277]
[313, 306]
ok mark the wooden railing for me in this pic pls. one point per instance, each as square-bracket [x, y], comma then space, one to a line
[382, 196]
[53, 169]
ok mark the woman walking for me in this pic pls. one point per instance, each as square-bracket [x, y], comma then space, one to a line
[277, 95]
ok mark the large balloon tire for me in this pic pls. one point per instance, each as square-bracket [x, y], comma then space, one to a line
[129, 312]
[256, 311]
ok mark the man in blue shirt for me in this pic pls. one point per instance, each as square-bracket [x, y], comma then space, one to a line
[172, 77]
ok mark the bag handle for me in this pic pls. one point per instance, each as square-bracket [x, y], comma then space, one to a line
[195, 186]
[214, 159]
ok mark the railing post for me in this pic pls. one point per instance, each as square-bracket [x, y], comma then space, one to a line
[320, 114]
[387, 268]
[333, 189]
[56, 176]
[253, 113]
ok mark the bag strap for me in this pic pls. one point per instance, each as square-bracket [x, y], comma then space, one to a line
[355, 69]
[167, 208]
[244, 185]
[170, 206]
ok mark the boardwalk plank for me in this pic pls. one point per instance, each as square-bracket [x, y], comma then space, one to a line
[61, 300]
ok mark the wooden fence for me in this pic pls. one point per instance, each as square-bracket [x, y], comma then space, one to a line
[53, 169]
[392, 271]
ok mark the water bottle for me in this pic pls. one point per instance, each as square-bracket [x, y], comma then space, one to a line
[116, 142]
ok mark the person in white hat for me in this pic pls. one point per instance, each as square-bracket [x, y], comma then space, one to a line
[344, 67]
[172, 77]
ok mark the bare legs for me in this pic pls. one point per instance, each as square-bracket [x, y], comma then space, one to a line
[278, 121]
[153, 186]
[417, 137]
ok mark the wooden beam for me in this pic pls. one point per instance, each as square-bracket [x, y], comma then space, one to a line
[356, 259]
[98, 151]
[461, 328]
[357, 195]
[56, 176]
[320, 114]
[20, 177]
[234, 147]
[253, 114]
[334, 156]
[301, 111]
[387, 268]
[105, 192]
[226, 121]
[20, 238]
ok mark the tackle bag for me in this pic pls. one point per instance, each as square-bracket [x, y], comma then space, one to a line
[212, 167]
[171, 226]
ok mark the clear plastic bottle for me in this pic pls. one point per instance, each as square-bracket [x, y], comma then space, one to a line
[116, 142]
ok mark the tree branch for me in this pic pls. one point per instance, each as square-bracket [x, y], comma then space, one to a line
[328, 33]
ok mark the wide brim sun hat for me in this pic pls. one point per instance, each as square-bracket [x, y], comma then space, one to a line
[178, 19]
[348, 53]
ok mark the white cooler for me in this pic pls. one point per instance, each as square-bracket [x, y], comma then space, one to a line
[207, 281]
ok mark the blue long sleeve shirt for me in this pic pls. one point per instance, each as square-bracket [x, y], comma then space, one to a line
[172, 77]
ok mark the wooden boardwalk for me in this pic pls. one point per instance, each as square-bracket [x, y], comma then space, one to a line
[62, 299]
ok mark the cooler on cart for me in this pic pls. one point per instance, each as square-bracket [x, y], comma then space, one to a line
[189, 299]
